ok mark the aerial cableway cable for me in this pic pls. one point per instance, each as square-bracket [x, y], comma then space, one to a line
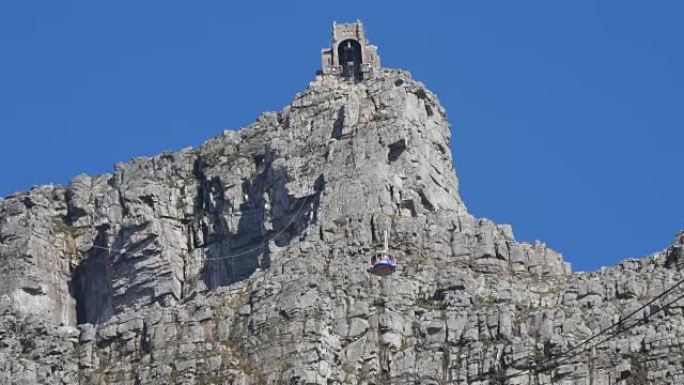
[623, 319]
[621, 330]
[554, 362]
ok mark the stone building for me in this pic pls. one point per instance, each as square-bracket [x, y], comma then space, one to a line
[350, 56]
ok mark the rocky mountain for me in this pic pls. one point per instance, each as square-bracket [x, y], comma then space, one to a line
[245, 261]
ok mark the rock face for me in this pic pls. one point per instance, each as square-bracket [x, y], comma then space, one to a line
[246, 262]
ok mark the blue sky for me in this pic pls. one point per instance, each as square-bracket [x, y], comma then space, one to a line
[567, 116]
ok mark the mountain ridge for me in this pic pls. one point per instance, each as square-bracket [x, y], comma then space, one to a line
[244, 261]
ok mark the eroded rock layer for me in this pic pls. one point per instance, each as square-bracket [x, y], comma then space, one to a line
[246, 262]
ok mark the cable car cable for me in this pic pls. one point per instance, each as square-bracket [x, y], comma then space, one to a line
[563, 356]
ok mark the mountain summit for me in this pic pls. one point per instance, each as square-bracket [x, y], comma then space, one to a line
[246, 261]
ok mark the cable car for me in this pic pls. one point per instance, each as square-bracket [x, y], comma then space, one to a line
[382, 263]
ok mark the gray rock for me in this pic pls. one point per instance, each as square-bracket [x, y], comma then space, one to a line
[245, 262]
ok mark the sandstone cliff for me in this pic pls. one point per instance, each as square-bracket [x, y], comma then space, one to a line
[245, 262]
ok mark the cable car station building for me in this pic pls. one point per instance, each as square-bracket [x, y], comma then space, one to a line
[350, 56]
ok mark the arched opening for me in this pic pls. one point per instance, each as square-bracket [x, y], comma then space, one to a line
[349, 54]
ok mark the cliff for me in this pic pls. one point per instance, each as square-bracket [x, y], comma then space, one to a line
[246, 262]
